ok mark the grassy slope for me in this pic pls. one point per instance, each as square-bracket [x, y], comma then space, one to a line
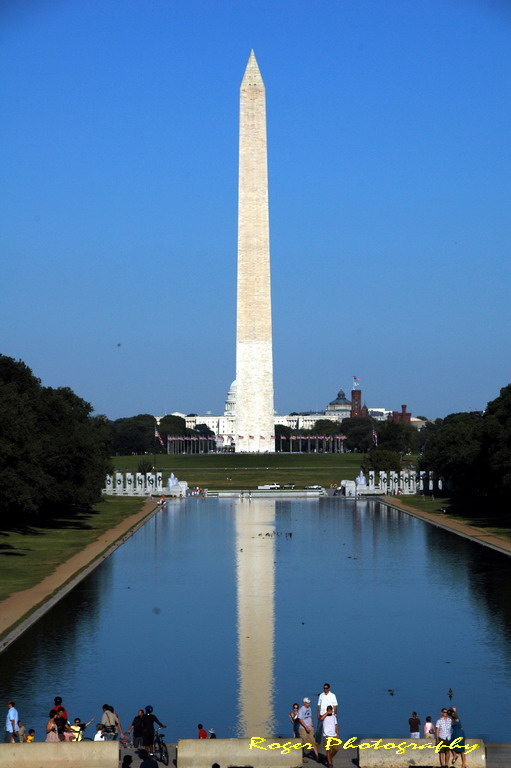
[225, 471]
[28, 554]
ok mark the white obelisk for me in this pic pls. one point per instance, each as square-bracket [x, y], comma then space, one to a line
[254, 362]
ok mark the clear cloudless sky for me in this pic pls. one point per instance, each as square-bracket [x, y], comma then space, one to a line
[389, 128]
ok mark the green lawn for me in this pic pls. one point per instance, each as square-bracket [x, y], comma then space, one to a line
[225, 471]
[28, 554]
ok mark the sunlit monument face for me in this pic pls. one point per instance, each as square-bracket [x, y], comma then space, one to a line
[254, 363]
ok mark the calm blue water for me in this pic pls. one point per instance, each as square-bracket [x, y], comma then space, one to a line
[214, 613]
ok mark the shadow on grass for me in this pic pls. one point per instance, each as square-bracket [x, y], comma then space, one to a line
[73, 518]
[483, 512]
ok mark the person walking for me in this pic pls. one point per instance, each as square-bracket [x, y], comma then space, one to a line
[443, 729]
[11, 724]
[137, 726]
[330, 730]
[415, 726]
[306, 725]
[458, 732]
[110, 720]
[148, 735]
[325, 699]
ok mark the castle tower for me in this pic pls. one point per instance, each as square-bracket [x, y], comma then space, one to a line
[254, 360]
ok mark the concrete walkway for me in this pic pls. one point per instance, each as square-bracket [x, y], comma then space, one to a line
[472, 532]
[497, 756]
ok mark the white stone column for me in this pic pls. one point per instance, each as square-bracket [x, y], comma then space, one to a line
[119, 483]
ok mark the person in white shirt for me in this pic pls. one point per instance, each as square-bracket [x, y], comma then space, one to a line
[11, 724]
[100, 732]
[326, 698]
[330, 730]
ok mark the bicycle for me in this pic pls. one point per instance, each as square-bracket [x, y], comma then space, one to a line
[160, 750]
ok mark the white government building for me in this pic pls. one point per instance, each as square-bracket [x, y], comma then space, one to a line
[224, 426]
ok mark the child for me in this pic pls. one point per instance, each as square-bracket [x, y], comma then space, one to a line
[100, 732]
[31, 736]
[22, 732]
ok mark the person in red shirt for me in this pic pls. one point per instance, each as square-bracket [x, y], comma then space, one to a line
[58, 704]
[202, 733]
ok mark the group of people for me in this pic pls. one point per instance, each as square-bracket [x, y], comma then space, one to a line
[447, 730]
[303, 723]
[59, 727]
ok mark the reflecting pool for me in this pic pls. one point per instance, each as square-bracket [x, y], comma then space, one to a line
[226, 612]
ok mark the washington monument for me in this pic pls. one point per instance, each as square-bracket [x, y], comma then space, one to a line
[254, 363]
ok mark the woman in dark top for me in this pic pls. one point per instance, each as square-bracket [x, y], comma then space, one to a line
[458, 732]
[293, 716]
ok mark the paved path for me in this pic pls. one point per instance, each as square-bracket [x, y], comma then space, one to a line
[479, 535]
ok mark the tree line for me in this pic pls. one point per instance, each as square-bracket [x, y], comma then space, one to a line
[54, 454]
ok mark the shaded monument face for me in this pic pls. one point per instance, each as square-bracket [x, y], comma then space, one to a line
[254, 362]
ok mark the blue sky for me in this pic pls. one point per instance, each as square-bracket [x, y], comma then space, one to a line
[390, 188]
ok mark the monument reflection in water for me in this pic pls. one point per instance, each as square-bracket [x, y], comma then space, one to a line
[225, 612]
[255, 587]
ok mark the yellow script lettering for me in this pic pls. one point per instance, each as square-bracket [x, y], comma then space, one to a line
[349, 745]
[332, 742]
[471, 749]
[253, 743]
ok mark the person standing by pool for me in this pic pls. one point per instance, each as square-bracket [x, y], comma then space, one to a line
[458, 732]
[415, 726]
[325, 699]
[443, 733]
[293, 716]
[429, 728]
[306, 726]
[137, 726]
[11, 724]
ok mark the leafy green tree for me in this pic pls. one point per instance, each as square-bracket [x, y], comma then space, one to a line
[396, 436]
[454, 450]
[382, 460]
[359, 433]
[134, 435]
[326, 427]
[173, 425]
[497, 442]
[53, 452]
[204, 431]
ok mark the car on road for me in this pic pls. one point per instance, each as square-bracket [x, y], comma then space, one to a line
[289, 485]
[313, 487]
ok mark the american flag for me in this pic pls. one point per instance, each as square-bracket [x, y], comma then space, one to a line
[251, 437]
[240, 437]
[157, 436]
[356, 380]
[262, 437]
[375, 437]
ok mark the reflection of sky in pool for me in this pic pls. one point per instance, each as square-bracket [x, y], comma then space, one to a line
[214, 613]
